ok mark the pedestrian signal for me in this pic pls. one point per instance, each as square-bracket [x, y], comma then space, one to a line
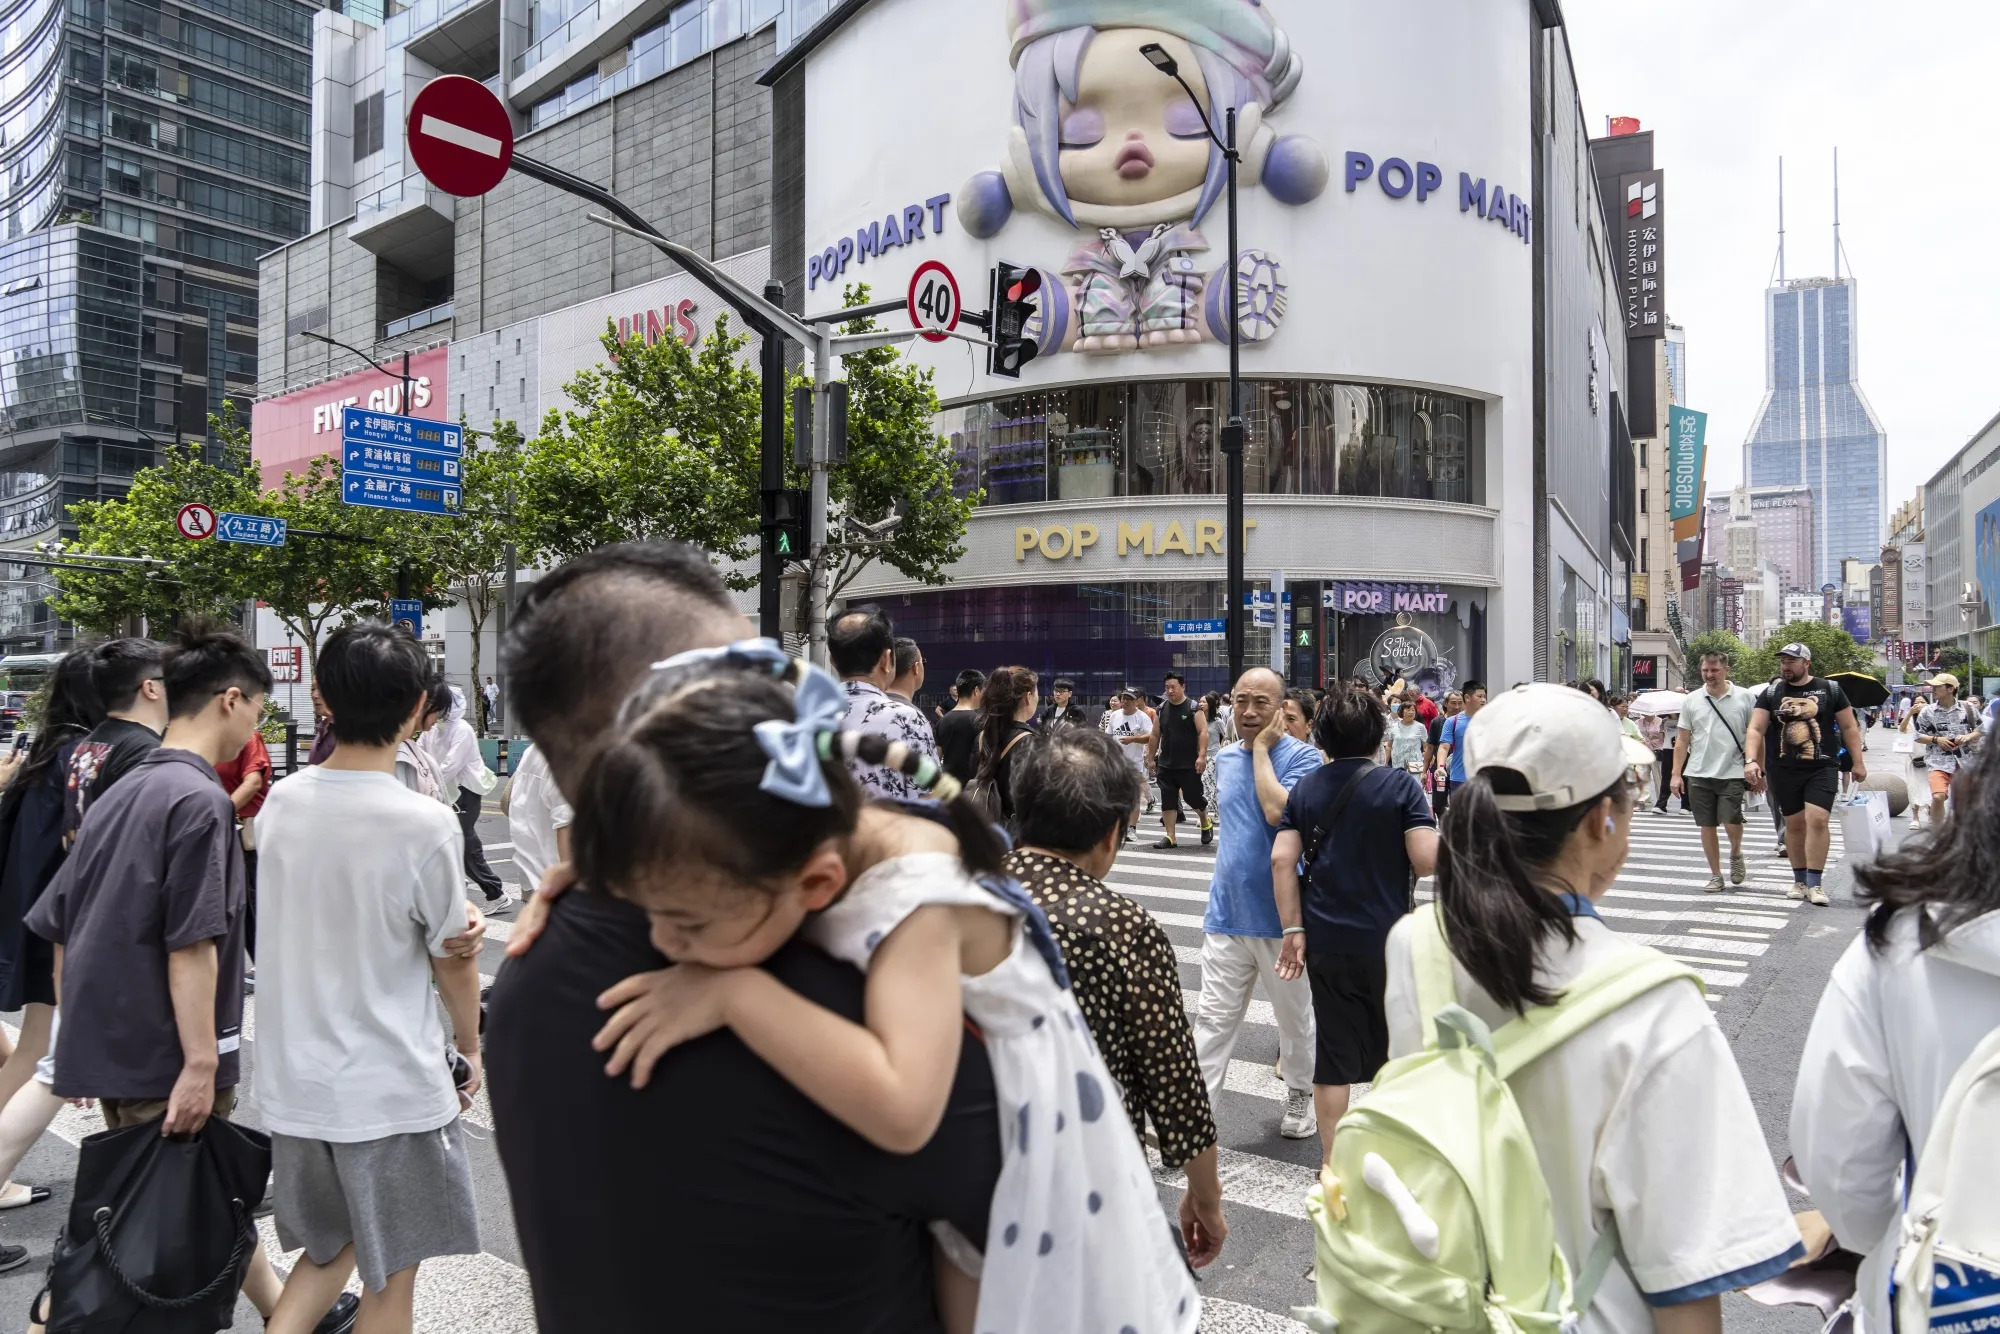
[1015, 303]
[786, 534]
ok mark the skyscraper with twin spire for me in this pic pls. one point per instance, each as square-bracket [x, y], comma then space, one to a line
[1815, 427]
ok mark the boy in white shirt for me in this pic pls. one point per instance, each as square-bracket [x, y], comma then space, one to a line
[360, 892]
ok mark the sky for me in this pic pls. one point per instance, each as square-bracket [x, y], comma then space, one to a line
[1905, 93]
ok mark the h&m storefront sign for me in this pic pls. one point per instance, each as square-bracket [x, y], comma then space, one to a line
[1373, 599]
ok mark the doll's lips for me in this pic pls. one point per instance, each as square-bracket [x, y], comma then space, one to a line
[1135, 160]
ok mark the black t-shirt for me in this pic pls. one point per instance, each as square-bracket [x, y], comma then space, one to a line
[958, 742]
[103, 757]
[158, 869]
[1437, 728]
[1003, 772]
[1805, 721]
[718, 1197]
[1178, 735]
[1359, 886]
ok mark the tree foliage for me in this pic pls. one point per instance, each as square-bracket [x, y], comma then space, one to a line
[1833, 650]
[310, 583]
[662, 443]
[896, 460]
[1711, 641]
[665, 443]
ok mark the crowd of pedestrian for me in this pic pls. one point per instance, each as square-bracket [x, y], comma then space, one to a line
[822, 977]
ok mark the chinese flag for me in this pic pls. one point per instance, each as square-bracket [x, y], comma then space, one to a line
[1624, 125]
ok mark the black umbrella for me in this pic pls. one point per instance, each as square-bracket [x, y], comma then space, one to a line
[1862, 690]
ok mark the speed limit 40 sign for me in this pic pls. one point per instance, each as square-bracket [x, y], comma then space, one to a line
[934, 301]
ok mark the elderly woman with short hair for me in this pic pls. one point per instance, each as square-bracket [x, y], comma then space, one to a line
[1075, 796]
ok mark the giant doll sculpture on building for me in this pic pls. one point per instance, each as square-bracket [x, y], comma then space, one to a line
[1109, 145]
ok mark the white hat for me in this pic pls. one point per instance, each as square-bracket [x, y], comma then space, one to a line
[1569, 747]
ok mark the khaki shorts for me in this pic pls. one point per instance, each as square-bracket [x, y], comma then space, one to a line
[1715, 801]
[122, 1112]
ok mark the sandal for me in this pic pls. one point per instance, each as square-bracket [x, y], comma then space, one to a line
[17, 1196]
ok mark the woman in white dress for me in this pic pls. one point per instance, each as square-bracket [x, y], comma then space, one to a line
[722, 806]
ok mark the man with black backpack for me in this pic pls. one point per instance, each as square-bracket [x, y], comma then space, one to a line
[1364, 834]
[1708, 764]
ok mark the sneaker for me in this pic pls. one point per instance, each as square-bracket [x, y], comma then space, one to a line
[1149, 805]
[1714, 885]
[1659, 810]
[1166, 843]
[1738, 870]
[12, 1257]
[346, 1310]
[1207, 834]
[1816, 896]
[1300, 1121]
[1795, 891]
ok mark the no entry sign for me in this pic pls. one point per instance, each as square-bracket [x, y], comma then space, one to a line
[460, 135]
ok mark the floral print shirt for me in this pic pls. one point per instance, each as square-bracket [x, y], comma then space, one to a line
[871, 709]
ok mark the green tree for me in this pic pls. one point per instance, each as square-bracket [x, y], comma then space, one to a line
[662, 443]
[205, 577]
[896, 461]
[311, 583]
[1833, 650]
[1711, 641]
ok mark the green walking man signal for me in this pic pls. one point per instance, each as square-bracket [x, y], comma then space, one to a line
[785, 524]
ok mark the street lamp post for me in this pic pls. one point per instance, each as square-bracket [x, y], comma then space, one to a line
[1232, 434]
[403, 375]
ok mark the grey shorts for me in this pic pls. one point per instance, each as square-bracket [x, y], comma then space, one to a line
[1716, 801]
[399, 1200]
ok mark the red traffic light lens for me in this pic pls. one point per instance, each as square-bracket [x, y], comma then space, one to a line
[1025, 286]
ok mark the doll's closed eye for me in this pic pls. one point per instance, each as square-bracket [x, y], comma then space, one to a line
[1184, 119]
[1082, 127]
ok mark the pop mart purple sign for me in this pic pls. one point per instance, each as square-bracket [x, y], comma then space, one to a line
[1371, 599]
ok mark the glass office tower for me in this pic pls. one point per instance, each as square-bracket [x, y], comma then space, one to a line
[150, 151]
[1815, 427]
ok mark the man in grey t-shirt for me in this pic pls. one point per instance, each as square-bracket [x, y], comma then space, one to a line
[1708, 764]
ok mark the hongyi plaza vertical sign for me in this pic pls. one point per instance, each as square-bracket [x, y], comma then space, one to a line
[1642, 269]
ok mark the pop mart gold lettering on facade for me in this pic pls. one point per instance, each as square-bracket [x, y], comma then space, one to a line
[1068, 541]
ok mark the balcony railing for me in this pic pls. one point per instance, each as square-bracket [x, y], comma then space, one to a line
[412, 189]
[421, 17]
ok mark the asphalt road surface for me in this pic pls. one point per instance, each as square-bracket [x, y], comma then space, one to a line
[1764, 958]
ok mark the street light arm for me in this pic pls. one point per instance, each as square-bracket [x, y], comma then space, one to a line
[759, 312]
[335, 342]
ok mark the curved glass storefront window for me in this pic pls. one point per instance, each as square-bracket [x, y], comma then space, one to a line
[1103, 635]
[1305, 437]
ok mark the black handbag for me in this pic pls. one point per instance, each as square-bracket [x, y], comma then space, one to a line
[160, 1231]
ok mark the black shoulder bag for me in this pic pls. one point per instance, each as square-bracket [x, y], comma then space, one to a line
[1727, 725]
[1324, 825]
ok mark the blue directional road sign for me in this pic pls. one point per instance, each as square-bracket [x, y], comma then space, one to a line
[408, 613]
[252, 529]
[1191, 631]
[400, 463]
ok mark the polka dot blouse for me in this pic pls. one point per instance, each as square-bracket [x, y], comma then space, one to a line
[1128, 986]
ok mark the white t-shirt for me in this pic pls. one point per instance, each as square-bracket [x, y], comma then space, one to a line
[1130, 732]
[359, 885]
[1717, 728]
[1642, 1117]
[535, 811]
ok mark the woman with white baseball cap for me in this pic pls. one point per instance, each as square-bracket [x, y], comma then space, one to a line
[1642, 1119]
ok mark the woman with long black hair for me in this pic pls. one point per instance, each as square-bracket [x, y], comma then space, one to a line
[31, 852]
[1915, 992]
[1641, 1120]
[1005, 714]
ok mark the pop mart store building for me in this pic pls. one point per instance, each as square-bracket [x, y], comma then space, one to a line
[1388, 319]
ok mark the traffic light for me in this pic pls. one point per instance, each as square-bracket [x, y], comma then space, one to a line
[785, 526]
[1014, 291]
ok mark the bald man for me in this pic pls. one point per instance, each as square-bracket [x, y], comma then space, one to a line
[1254, 778]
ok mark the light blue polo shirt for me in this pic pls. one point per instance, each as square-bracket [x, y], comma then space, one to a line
[1453, 735]
[1241, 901]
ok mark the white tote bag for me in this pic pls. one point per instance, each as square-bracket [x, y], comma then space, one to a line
[1864, 824]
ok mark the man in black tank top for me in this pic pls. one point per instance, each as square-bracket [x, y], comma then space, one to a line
[1182, 755]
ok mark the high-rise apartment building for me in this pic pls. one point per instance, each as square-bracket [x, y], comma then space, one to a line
[1815, 427]
[150, 151]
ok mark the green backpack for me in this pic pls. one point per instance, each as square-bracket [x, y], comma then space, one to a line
[1433, 1213]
